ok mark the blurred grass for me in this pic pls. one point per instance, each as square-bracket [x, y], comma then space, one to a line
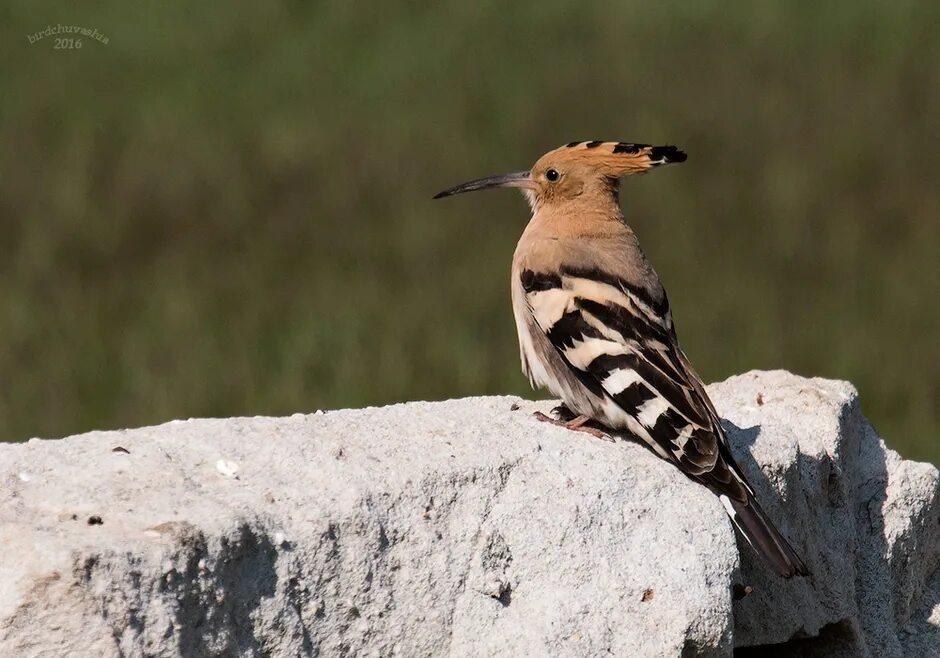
[226, 210]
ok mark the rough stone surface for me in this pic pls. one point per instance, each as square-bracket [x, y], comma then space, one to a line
[465, 528]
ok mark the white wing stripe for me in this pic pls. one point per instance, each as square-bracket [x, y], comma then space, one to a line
[596, 290]
[548, 306]
[586, 350]
[650, 412]
[620, 379]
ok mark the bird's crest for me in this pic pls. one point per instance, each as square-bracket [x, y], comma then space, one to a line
[615, 159]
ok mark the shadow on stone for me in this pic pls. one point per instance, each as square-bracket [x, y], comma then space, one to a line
[216, 605]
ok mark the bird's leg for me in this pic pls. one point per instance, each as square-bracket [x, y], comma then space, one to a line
[572, 422]
[579, 424]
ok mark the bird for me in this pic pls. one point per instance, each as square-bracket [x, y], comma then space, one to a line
[595, 327]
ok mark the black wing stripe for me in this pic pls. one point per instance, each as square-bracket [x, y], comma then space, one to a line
[536, 281]
[633, 397]
[605, 365]
[624, 322]
[660, 307]
[571, 327]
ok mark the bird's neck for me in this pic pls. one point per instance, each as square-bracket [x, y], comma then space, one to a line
[582, 215]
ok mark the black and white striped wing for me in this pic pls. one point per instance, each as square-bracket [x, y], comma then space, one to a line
[620, 344]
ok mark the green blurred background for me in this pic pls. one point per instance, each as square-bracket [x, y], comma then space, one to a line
[226, 210]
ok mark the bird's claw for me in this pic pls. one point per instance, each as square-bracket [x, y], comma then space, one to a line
[563, 413]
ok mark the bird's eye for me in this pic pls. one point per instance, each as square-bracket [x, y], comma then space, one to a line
[552, 175]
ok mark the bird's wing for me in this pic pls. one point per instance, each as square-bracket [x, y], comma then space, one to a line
[620, 343]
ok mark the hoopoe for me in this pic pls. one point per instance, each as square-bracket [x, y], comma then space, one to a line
[595, 327]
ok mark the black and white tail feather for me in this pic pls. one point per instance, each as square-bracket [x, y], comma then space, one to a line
[617, 341]
[749, 518]
[760, 533]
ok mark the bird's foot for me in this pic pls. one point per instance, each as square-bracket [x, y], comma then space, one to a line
[563, 413]
[574, 423]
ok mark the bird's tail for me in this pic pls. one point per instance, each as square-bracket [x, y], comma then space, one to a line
[757, 529]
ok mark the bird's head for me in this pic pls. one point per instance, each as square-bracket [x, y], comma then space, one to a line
[577, 169]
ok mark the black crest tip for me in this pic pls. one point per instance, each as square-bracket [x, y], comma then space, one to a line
[667, 155]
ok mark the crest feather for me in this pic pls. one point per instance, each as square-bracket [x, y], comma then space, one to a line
[618, 159]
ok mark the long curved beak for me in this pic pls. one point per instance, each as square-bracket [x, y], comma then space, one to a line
[517, 179]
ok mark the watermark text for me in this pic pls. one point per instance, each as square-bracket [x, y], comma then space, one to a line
[73, 40]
